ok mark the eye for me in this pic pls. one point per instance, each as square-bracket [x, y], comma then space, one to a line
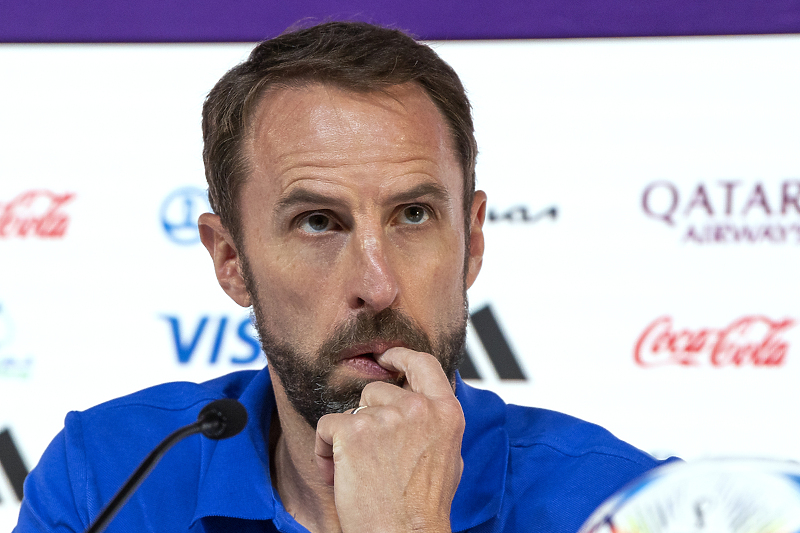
[317, 223]
[414, 214]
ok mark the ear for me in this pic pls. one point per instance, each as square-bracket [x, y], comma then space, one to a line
[225, 256]
[477, 217]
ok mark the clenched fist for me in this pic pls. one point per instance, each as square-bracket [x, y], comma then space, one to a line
[396, 464]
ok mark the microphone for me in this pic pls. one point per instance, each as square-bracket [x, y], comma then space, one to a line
[218, 420]
[222, 419]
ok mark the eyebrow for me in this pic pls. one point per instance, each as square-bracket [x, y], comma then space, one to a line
[304, 196]
[423, 189]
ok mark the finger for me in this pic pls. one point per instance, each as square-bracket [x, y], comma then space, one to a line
[423, 371]
[380, 393]
[324, 446]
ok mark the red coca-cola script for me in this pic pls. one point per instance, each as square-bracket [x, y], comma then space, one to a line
[35, 213]
[749, 341]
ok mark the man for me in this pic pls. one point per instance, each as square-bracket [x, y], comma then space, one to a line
[340, 161]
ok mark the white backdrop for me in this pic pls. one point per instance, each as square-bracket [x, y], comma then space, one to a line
[642, 248]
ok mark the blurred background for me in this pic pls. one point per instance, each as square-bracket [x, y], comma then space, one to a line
[642, 165]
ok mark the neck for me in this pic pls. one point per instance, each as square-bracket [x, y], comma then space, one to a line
[295, 476]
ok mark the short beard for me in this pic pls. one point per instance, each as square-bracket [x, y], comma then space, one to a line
[307, 380]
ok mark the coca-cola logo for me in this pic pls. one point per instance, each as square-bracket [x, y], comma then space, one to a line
[35, 213]
[728, 211]
[748, 341]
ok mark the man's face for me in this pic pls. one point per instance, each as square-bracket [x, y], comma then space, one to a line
[353, 238]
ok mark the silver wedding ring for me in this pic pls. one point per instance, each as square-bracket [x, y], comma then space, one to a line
[357, 409]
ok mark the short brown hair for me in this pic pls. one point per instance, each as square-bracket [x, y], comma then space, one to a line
[351, 55]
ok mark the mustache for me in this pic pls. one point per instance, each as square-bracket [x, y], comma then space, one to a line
[387, 325]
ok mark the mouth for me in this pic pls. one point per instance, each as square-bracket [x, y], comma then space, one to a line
[361, 358]
[369, 349]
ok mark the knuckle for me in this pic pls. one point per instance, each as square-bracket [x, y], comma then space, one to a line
[415, 405]
[323, 423]
[360, 426]
[373, 387]
[390, 417]
[429, 360]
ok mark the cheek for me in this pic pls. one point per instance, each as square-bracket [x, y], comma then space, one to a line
[298, 268]
[435, 275]
[294, 289]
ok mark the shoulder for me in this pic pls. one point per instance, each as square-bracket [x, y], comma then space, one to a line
[138, 421]
[131, 425]
[558, 468]
[99, 447]
[546, 432]
[568, 436]
[112, 437]
[561, 468]
[180, 395]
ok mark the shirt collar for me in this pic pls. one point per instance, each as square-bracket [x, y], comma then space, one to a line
[235, 479]
[234, 476]
[485, 453]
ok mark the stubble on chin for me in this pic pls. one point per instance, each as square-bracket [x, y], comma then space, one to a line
[309, 380]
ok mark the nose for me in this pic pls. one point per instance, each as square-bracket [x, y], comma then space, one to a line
[373, 281]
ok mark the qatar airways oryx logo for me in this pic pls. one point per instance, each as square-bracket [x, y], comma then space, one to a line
[728, 210]
[753, 340]
[35, 213]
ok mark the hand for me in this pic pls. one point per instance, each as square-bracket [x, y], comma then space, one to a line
[395, 465]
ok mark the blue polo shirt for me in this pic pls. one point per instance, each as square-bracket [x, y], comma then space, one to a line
[525, 469]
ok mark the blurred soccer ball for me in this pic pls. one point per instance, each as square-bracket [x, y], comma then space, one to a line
[714, 496]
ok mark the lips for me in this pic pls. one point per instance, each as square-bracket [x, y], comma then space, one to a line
[370, 349]
[361, 359]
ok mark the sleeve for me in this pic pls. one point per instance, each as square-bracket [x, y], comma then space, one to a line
[55, 492]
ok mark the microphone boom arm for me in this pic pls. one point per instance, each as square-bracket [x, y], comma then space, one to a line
[133, 482]
[220, 419]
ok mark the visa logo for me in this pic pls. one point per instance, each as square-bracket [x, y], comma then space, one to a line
[210, 338]
[190, 338]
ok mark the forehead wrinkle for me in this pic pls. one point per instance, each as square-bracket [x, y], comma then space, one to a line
[307, 154]
[389, 99]
[314, 158]
[347, 121]
[273, 105]
[310, 160]
[269, 120]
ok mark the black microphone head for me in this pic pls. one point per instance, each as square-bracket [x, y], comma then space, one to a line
[222, 418]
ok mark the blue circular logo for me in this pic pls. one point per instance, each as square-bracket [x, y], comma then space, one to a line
[179, 214]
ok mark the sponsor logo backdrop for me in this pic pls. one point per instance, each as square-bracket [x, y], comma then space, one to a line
[643, 236]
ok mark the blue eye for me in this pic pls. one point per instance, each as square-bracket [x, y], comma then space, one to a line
[316, 223]
[414, 214]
